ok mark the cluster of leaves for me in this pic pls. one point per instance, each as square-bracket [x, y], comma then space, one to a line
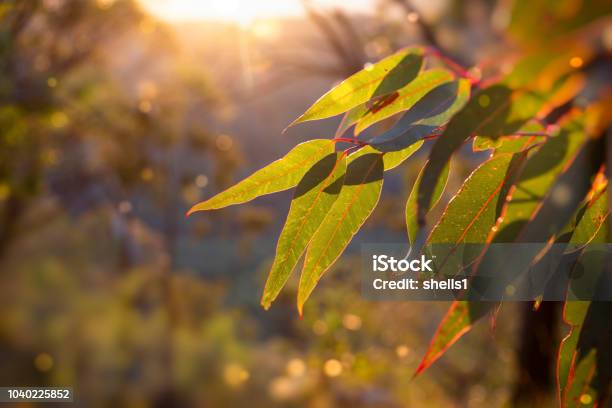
[336, 191]
[543, 182]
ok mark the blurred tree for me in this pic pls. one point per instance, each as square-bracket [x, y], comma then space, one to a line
[99, 110]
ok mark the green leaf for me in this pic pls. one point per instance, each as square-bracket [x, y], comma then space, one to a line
[457, 321]
[404, 98]
[544, 69]
[594, 216]
[530, 67]
[380, 79]
[411, 205]
[390, 159]
[280, 175]
[574, 313]
[538, 175]
[512, 144]
[313, 197]
[542, 25]
[565, 195]
[469, 217]
[442, 103]
[589, 229]
[359, 195]
[493, 112]
[393, 159]
[350, 118]
[472, 213]
[488, 106]
[590, 370]
[582, 379]
[425, 117]
[585, 226]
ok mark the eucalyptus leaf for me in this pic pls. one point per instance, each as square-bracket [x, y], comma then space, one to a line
[280, 175]
[405, 97]
[425, 117]
[358, 198]
[411, 205]
[313, 197]
[380, 79]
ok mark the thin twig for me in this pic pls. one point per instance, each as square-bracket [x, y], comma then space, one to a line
[348, 140]
[455, 66]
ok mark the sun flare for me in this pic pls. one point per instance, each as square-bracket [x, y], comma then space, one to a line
[242, 12]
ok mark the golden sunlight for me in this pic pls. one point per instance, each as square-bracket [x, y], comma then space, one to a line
[243, 12]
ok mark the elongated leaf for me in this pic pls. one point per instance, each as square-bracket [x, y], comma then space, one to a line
[313, 197]
[457, 321]
[359, 195]
[539, 174]
[469, 217]
[474, 116]
[382, 78]
[511, 144]
[593, 218]
[404, 98]
[590, 372]
[550, 96]
[574, 313]
[388, 142]
[390, 159]
[541, 69]
[435, 109]
[588, 229]
[350, 118]
[583, 380]
[565, 196]
[585, 226]
[529, 68]
[277, 176]
[569, 189]
[425, 117]
[472, 213]
[411, 205]
[493, 112]
[393, 159]
[527, 28]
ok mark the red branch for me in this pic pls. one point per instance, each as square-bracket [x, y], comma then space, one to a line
[455, 66]
[349, 140]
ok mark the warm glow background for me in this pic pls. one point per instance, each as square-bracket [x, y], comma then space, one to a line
[118, 116]
[242, 12]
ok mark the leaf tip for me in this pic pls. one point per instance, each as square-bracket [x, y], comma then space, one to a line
[419, 369]
[292, 124]
[196, 208]
[265, 302]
